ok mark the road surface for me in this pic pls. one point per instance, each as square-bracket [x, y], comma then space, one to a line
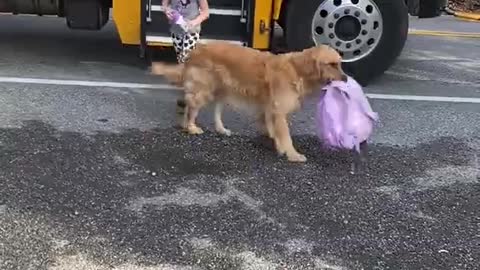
[94, 175]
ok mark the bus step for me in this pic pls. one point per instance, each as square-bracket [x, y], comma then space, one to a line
[160, 39]
[213, 3]
[221, 22]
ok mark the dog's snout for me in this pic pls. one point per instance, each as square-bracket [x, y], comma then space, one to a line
[344, 77]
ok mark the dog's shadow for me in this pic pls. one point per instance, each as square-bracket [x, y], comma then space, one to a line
[211, 153]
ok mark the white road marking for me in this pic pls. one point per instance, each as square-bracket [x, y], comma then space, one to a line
[425, 98]
[419, 75]
[84, 83]
[20, 80]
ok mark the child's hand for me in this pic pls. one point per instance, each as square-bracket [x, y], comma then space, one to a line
[193, 23]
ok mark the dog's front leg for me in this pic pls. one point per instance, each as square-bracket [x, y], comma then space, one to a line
[268, 118]
[191, 113]
[282, 136]
[267, 127]
[192, 128]
[219, 127]
[264, 124]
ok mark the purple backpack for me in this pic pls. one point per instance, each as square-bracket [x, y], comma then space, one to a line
[344, 116]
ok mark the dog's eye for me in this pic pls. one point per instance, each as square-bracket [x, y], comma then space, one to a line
[334, 65]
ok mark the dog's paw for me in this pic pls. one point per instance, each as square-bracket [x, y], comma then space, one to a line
[296, 157]
[194, 130]
[224, 131]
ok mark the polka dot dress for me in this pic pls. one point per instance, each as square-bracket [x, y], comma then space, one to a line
[184, 44]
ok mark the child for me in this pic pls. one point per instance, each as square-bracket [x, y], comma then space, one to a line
[194, 12]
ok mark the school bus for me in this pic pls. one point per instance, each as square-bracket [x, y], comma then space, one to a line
[369, 34]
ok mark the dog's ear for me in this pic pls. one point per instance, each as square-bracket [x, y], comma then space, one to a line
[328, 64]
[279, 75]
[305, 63]
[322, 70]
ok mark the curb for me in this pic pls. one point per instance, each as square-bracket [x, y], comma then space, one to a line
[466, 20]
[443, 33]
[467, 16]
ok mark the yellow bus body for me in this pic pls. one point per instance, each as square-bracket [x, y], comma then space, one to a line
[126, 15]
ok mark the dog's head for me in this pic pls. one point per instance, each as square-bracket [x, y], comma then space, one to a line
[321, 63]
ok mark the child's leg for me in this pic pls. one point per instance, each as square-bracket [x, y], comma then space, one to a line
[178, 46]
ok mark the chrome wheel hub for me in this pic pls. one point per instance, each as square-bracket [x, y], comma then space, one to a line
[352, 27]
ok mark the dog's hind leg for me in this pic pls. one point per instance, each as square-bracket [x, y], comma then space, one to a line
[194, 102]
[198, 92]
[219, 127]
[191, 116]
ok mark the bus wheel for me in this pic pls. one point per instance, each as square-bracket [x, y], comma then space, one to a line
[369, 34]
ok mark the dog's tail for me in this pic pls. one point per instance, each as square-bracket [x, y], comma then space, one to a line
[172, 72]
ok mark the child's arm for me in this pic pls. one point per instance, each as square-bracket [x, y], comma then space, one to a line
[204, 13]
[166, 8]
[165, 3]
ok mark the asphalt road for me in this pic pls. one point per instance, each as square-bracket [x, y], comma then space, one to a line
[98, 177]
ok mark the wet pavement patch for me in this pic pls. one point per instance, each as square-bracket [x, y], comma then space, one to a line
[230, 202]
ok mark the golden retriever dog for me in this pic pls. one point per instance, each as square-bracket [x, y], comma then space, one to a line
[273, 85]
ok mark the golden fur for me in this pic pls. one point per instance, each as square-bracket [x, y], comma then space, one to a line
[274, 84]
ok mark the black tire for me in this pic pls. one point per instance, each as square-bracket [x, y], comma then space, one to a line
[298, 36]
[413, 7]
